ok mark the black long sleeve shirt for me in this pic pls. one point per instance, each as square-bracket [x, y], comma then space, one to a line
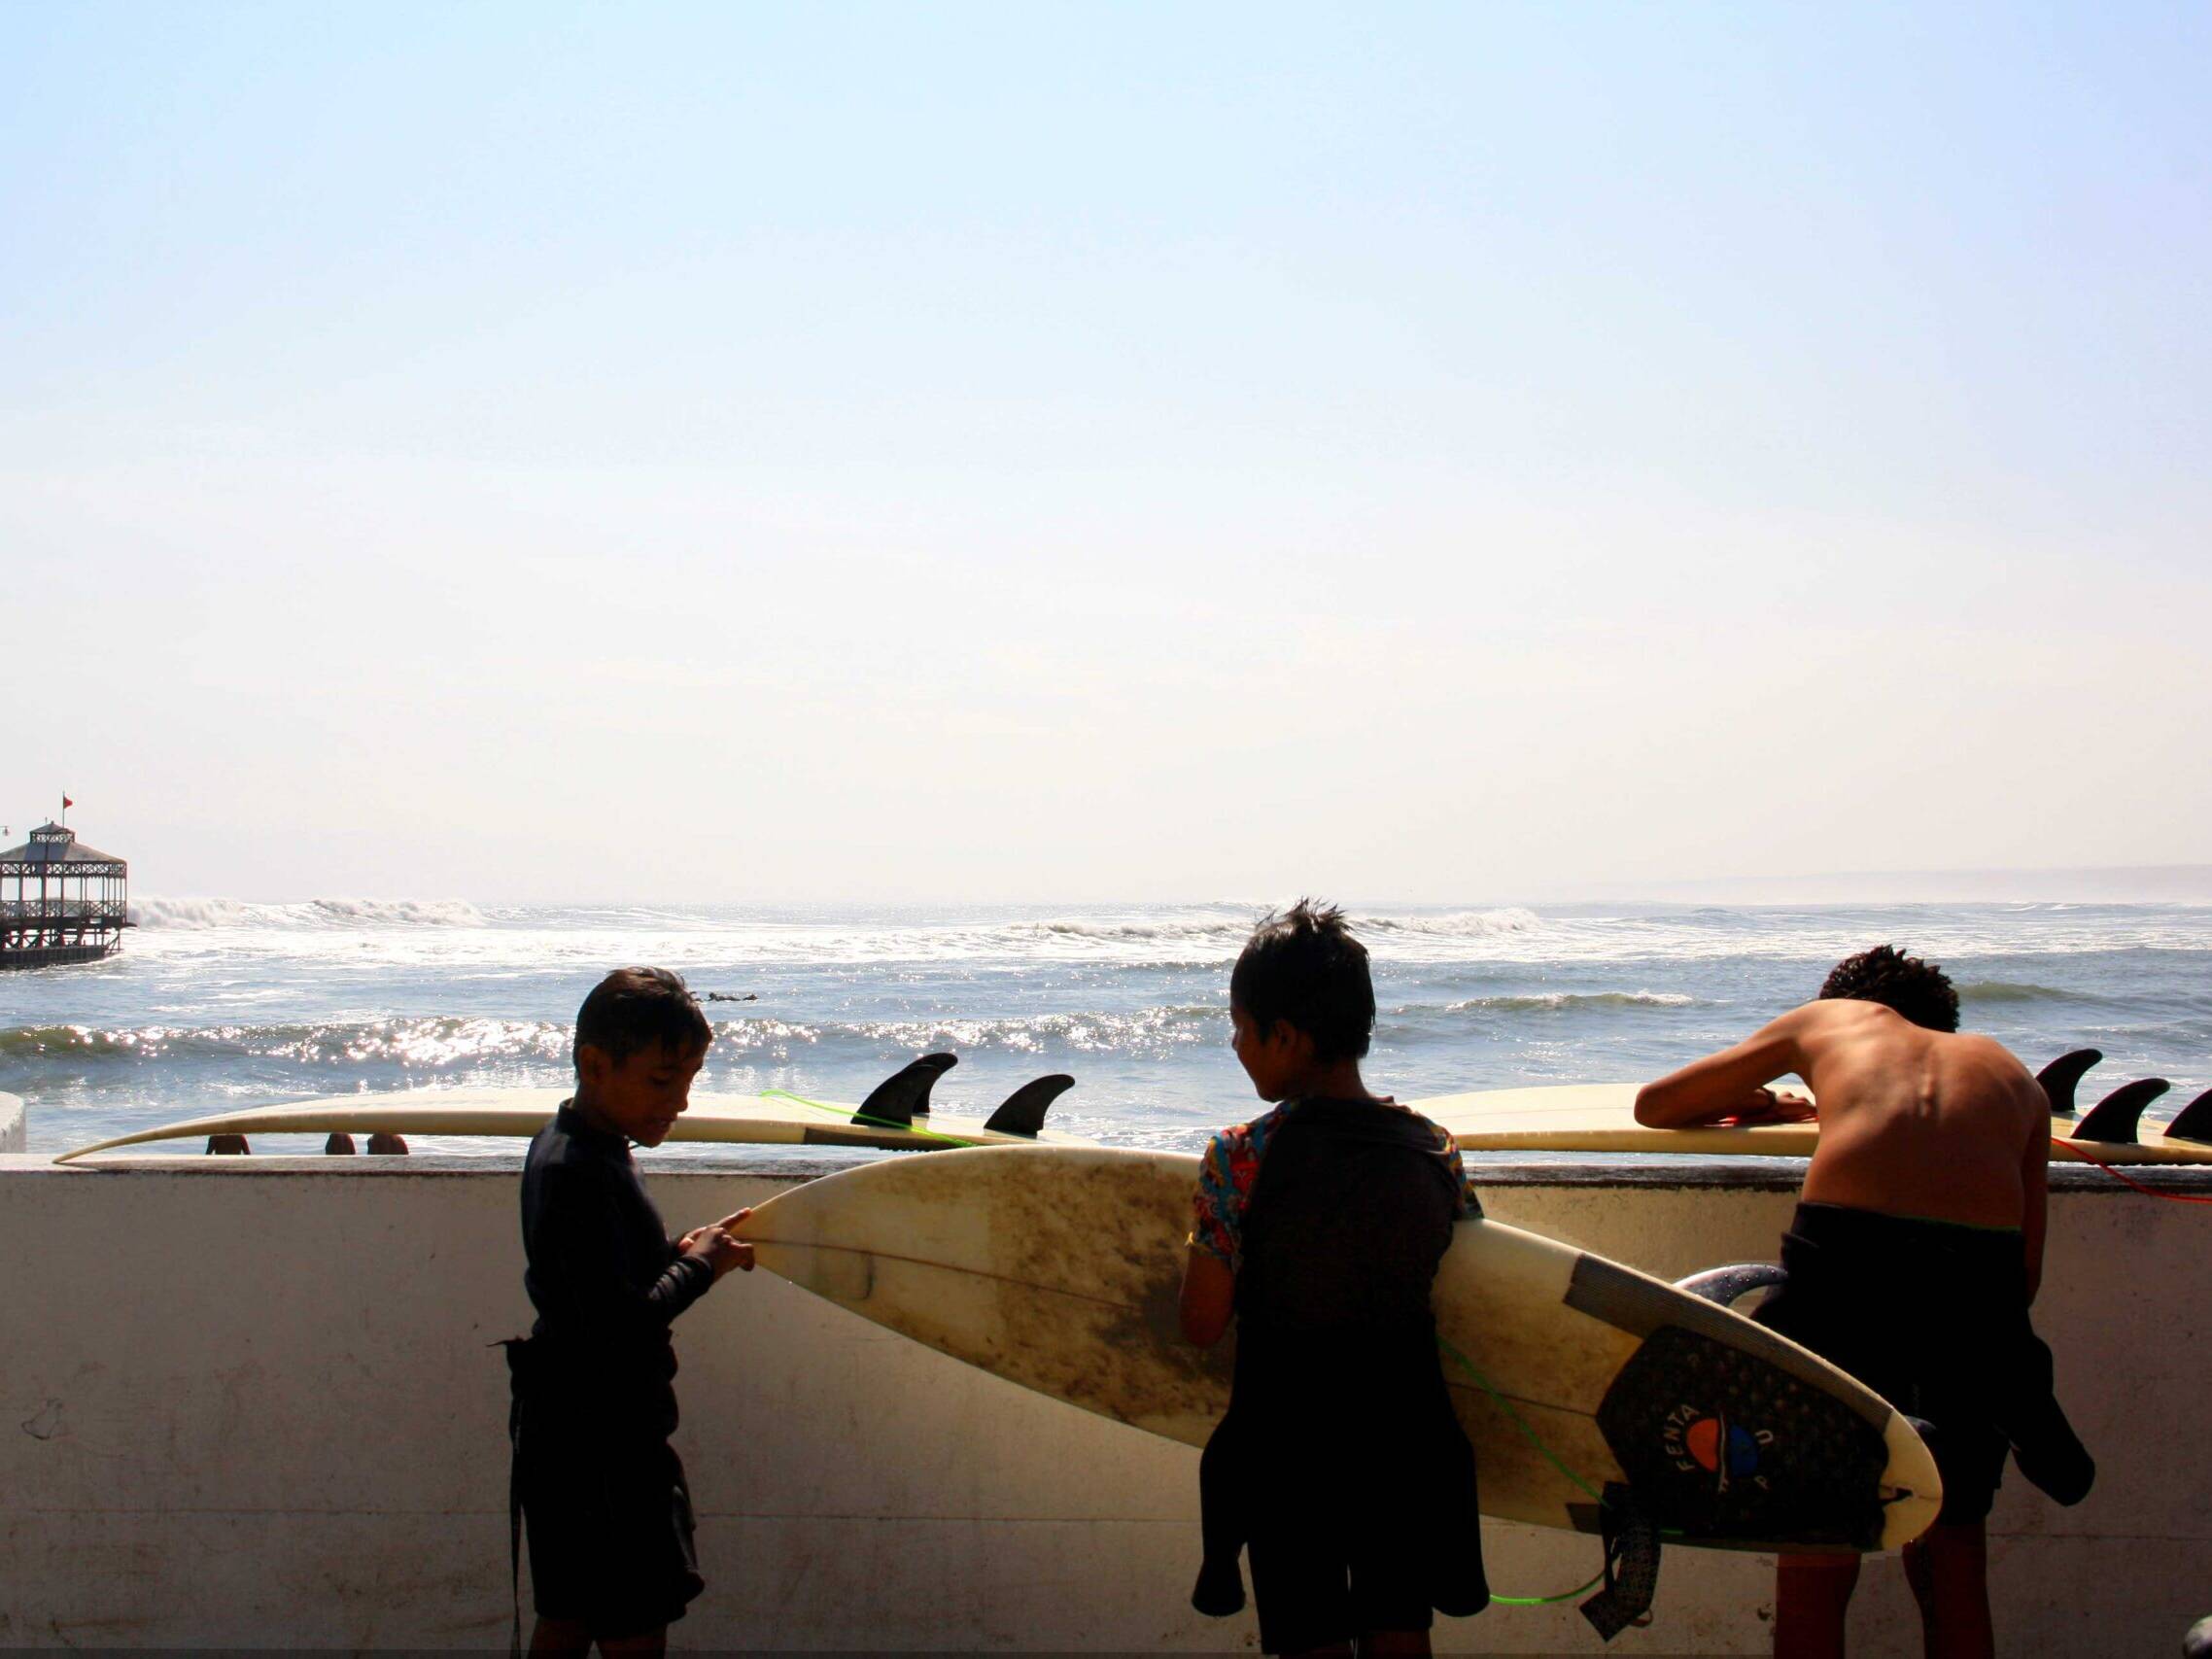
[605, 1278]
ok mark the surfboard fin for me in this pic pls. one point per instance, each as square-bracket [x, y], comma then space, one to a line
[2194, 1122]
[905, 1093]
[2112, 1120]
[1729, 1285]
[1023, 1112]
[2059, 1076]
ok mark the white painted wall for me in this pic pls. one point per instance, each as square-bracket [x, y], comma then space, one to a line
[250, 1401]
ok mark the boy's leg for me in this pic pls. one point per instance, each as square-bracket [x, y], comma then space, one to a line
[1394, 1642]
[559, 1638]
[646, 1644]
[1812, 1595]
[1949, 1569]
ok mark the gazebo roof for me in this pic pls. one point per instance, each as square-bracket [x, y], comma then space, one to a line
[51, 844]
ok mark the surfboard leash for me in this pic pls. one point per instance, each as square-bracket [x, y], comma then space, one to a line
[1528, 1433]
[2075, 1148]
[852, 1116]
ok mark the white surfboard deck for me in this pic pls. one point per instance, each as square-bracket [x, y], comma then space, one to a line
[1601, 1116]
[523, 1112]
[1059, 1269]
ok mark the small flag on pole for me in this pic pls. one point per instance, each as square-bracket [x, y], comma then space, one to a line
[67, 803]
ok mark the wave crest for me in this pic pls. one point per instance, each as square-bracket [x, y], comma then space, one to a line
[1232, 930]
[203, 914]
[1561, 1001]
[2008, 990]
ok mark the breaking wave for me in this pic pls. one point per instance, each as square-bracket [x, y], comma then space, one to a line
[2007, 991]
[1229, 931]
[1557, 1002]
[200, 914]
[441, 1044]
[1148, 1030]
[417, 1044]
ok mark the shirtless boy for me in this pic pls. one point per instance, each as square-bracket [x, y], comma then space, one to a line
[1913, 1256]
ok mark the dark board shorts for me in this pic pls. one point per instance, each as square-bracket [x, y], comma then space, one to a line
[1866, 1295]
[609, 1527]
[1309, 1595]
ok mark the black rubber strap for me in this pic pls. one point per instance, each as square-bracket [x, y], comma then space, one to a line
[514, 1494]
[1632, 1564]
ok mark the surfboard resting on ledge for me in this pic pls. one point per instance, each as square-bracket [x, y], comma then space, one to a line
[1601, 1116]
[895, 1117]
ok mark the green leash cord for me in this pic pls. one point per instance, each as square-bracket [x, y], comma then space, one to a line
[1536, 1440]
[1521, 1423]
[851, 1115]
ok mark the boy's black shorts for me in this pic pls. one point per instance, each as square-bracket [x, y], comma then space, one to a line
[609, 1527]
[1912, 1355]
[1309, 1595]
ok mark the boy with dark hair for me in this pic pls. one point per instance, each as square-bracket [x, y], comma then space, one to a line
[1913, 1260]
[1339, 1464]
[609, 1516]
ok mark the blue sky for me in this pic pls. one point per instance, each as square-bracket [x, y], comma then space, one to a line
[1063, 452]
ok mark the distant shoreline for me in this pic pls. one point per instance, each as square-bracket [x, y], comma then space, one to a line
[2126, 883]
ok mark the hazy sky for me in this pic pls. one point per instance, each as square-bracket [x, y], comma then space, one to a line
[524, 451]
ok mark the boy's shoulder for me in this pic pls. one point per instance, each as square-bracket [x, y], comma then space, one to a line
[565, 1143]
[1244, 1140]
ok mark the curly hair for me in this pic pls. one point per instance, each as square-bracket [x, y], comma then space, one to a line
[1919, 990]
[635, 1008]
[1303, 965]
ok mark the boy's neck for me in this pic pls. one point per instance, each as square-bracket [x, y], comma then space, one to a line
[1336, 1079]
[589, 1110]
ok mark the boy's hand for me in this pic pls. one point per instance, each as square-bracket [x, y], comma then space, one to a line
[728, 1224]
[1770, 1106]
[717, 1248]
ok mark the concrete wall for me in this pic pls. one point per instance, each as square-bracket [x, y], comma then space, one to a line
[250, 1401]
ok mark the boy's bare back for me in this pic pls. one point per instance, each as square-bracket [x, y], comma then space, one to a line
[1920, 1123]
[1912, 1121]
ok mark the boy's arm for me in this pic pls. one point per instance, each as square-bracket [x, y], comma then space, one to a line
[1209, 1296]
[1729, 1084]
[2035, 1193]
[577, 1248]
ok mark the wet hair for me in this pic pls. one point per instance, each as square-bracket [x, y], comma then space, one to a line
[1919, 990]
[1304, 966]
[637, 1008]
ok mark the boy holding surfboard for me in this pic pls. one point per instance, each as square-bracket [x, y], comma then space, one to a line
[609, 1516]
[1912, 1259]
[1339, 1464]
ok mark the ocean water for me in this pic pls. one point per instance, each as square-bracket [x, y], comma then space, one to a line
[219, 1004]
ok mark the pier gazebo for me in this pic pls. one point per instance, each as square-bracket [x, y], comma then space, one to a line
[60, 901]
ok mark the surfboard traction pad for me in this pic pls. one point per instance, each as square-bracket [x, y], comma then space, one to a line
[1728, 1441]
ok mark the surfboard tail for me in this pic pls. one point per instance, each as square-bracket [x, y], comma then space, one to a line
[1022, 1112]
[2061, 1075]
[2112, 1120]
[2194, 1122]
[905, 1093]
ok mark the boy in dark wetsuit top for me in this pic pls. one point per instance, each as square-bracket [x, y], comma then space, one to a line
[1911, 1259]
[608, 1513]
[1339, 1464]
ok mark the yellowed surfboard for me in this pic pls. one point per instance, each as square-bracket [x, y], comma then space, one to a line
[775, 1120]
[1058, 1269]
[1601, 1116]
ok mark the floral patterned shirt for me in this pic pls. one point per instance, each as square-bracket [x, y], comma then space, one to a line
[1231, 1165]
